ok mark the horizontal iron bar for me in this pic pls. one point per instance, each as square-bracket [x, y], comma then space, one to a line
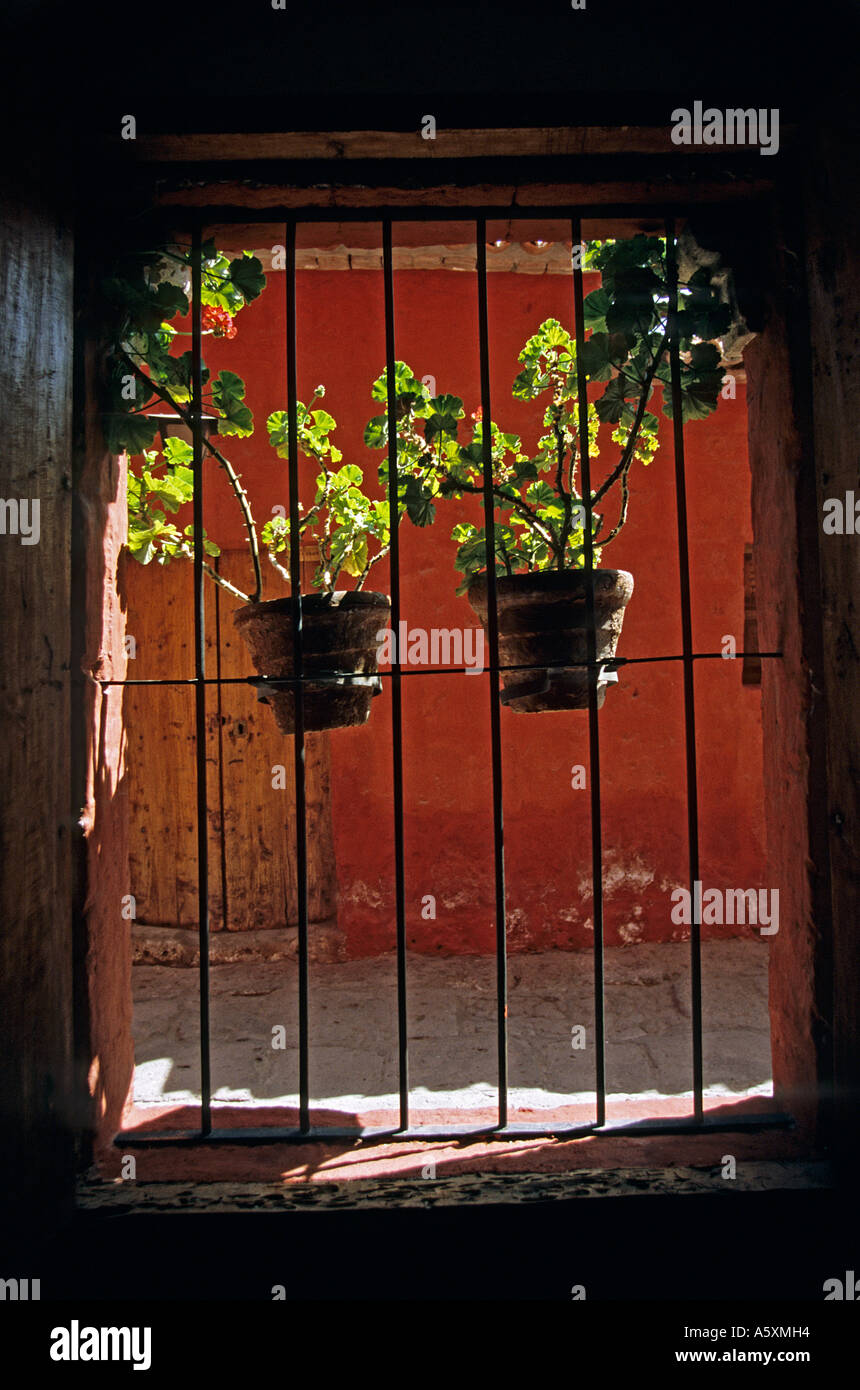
[436, 1135]
[610, 664]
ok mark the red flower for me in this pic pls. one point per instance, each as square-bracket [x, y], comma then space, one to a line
[217, 322]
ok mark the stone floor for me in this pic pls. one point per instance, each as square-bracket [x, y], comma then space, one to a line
[452, 1038]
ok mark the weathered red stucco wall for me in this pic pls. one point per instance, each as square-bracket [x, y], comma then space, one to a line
[105, 945]
[446, 725]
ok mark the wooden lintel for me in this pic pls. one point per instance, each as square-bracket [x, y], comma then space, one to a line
[398, 144]
[236, 193]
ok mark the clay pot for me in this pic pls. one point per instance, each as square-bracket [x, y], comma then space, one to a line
[339, 645]
[543, 624]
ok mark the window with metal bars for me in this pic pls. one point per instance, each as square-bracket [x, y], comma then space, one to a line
[299, 681]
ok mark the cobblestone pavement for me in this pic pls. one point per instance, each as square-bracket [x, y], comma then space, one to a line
[452, 1029]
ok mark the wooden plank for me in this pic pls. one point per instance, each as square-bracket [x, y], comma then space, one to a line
[259, 819]
[36, 830]
[237, 193]
[833, 198]
[338, 145]
[161, 753]
[410, 144]
[256, 870]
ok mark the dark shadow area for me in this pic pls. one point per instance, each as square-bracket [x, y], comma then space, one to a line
[764, 1246]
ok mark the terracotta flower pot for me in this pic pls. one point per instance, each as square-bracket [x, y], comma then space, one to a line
[339, 647]
[543, 624]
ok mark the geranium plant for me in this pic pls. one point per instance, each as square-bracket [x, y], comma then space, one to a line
[540, 516]
[539, 541]
[351, 530]
[150, 292]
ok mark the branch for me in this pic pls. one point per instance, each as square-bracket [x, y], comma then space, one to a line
[625, 498]
[279, 567]
[241, 495]
[225, 584]
[567, 524]
[627, 456]
[371, 562]
[543, 528]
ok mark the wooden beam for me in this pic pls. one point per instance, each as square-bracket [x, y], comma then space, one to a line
[235, 193]
[397, 144]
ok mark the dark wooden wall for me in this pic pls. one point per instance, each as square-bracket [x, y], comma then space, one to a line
[833, 279]
[36, 1126]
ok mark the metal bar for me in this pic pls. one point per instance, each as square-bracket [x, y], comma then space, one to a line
[445, 670]
[273, 1134]
[687, 643]
[395, 674]
[298, 692]
[225, 901]
[495, 700]
[593, 726]
[200, 679]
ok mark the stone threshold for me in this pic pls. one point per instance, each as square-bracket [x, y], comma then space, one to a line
[95, 1193]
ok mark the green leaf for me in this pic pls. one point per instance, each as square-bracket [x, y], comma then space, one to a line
[178, 451]
[246, 272]
[553, 334]
[348, 476]
[146, 306]
[376, 432]
[610, 406]
[595, 307]
[445, 411]
[228, 392]
[595, 357]
[633, 309]
[406, 385]
[704, 357]
[239, 422]
[128, 433]
[355, 560]
[525, 469]
[278, 426]
[275, 534]
[419, 504]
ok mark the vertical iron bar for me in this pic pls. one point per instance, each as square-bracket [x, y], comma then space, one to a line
[495, 704]
[298, 689]
[396, 690]
[225, 905]
[687, 645]
[200, 677]
[593, 723]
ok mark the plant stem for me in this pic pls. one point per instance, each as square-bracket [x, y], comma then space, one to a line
[566, 526]
[279, 567]
[225, 584]
[625, 498]
[241, 495]
[371, 562]
[626, 457]
[514, 501]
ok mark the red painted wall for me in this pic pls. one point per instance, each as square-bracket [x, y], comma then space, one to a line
[448, 823]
